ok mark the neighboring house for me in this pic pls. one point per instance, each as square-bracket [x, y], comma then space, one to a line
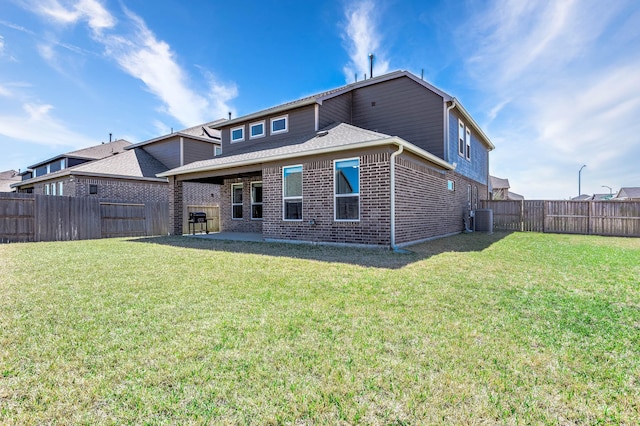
[384, 162]
[499, 189]
[629, 194]
[7, 179]
[120, 170]
[601, 197]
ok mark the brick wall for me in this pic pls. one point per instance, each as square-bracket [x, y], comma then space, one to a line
[246, 224]
[201, 194]
[121, 189]
[176, 211]
[318, 224]
[425, 207]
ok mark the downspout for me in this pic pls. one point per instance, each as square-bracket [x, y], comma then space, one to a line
[447, 130]
[392, 171]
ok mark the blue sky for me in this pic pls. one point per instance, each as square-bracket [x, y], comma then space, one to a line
[555, 85]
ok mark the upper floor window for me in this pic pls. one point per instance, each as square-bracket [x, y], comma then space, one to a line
[292, 193]
[347, 189]
[256, 130]
[280, 124]
[468, 143]
[237, 134]
[217, 151]
[461, 138]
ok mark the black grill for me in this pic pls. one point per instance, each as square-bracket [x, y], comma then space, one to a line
[198, 218]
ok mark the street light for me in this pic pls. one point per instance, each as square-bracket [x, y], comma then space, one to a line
[579, 176]
[610, 190]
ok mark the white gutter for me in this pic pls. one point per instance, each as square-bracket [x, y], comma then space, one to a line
[392, 172]
[446, 128]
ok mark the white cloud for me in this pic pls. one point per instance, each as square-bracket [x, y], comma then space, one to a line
[135, 48]
[38, 125]
[559, 94]
[362, 38]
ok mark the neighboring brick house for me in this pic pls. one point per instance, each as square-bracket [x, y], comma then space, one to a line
[387, 161]
[499, 189]
[120, 170]
[8, 178]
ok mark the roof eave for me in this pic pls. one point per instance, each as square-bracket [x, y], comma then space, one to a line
[467, 116]
[264, 113]
[358, 145]
[215, 141]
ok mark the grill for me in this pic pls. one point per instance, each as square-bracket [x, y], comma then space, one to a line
[200, 219]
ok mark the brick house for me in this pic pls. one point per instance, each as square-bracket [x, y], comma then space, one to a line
[119, 170]
[387, 161]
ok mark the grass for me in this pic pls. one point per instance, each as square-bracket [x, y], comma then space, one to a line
[504, 328]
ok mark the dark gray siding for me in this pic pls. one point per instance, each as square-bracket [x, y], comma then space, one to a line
[197, 150]
[401, 107]
[301, 127]
[335, 110]
[167, 152]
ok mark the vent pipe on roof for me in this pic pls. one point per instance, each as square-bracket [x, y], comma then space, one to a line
[229, 115]
[371, 65]
[110, 135]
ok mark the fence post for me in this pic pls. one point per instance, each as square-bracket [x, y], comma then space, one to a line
[521, 215]
[544, 217]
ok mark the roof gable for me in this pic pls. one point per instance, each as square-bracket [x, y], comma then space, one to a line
[95, 152]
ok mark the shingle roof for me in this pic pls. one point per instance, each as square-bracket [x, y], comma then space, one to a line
[629, 192]
[499, 183]
[204, 130]
[334, 138]
[95, 152]
[7, 178]
[130, 163]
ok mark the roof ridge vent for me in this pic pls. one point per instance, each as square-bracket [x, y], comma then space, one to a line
[322, 133]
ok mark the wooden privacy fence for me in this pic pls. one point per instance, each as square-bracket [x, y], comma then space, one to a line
[29, 217]
[615, 218]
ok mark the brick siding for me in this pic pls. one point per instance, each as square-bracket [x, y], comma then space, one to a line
[246, 224]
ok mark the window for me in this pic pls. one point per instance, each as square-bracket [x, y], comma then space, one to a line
[237, 134]
[461, 138]
[469, 197]
[475, 197]
[347, 189]
[236, 201]
[53, 188]
[468, 143]
[451, 185]
[93, 189]
[59, 188]
[292, 193]
[217, 151]
[280, 124]
[256, 200]
[256, 130]
[46, 189]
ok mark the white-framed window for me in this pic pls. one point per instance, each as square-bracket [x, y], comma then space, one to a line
[280, 124]
[347, 189]
[256, 130]
[469, 197]
[60, 188]
[236, 201]
[53, 188]
[468, 143]
[93, 189]
[237, 134]
[256, 200]
[46, 189]
[451, 185]
[292, 192]
[217, 150]
[461, 138]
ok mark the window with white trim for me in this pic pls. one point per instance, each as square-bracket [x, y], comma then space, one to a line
[60, 188]
[280, 124]
[461, 138]
[256, 200]
[468, 143]
[292, 193]
[256, 130]
[236, 201]
[217, 151]
[347, 189]
[93, 189]
[469, 197]
[53, 188]
[451, 185]
[237, 134]
[46, 189]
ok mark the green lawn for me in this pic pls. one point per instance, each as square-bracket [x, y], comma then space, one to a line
[505, 328]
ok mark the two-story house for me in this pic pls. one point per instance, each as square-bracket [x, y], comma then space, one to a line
[386, 161]
[120, 170]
